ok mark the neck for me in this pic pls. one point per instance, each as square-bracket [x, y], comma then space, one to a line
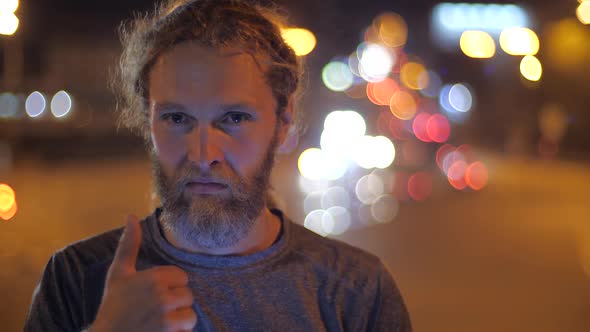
[262, 235]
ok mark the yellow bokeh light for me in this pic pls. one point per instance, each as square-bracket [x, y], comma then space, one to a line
[519, 41]
[583, 12]
[10, 213]
[392, 29]
[531, 68]
[7, 198]
[477, 44]
[8, 23]
[302, 41]
[8, 6]
[414, 76]
[566, 47]
[403, 105]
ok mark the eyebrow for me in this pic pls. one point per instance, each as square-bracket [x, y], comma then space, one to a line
[175, 107]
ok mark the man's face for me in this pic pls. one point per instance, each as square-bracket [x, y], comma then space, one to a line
[214, 133]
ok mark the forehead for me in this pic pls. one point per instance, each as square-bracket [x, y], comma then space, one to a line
[190, 73]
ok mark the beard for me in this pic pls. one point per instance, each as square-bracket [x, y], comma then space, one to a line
[211, 221]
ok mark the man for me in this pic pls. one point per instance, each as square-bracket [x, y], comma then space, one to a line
[212, 87]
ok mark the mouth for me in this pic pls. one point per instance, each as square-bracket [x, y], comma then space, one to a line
[204, 187]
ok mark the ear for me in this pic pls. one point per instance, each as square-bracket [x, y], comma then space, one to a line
[285, 123]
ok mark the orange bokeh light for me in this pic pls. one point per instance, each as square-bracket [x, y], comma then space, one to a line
[476, 175]
[7, 215]
[7, 197]
[383, 91]
[414, 76]
[403, 105]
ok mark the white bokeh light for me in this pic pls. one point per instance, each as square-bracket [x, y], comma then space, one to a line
[61, 104]
[35, 104]
[368, 188]
[375, 62]
[336, 220]
[335, 196]
[370, 152]
[312, 201]
[460, 98]
[313, 222]
[384, 208]
[316, 164]
[337, 76]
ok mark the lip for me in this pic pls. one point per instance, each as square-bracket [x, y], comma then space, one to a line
[205, 187]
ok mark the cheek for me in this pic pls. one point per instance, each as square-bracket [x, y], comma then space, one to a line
[168, 149]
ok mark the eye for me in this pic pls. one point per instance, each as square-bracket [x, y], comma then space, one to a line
[175, 118]
[236, 118]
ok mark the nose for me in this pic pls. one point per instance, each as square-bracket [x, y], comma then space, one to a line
[205, 148]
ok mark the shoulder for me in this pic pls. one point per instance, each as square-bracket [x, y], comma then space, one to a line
[354, 266]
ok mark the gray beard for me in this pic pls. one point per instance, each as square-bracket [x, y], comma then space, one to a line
[213, 222]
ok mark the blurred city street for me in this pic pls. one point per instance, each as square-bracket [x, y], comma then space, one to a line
[450, 139]
[508, 258]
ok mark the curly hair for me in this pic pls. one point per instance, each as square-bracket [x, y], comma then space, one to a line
[212, 23]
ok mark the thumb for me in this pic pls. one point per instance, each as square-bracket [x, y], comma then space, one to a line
[127, 250]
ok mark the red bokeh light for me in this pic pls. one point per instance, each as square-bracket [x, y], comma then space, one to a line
[420, 186]
[442, 152]
[419, 126]
[438, 128]
[456, 175]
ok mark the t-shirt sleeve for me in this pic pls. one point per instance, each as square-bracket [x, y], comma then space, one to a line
[56, 303]
[389, 310]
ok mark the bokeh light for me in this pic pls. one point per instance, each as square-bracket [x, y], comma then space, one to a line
[302, 41]
[420, 186]
[370, 152]
[313, 222]
[312, 201]
[419, 126]
[8, 105]
[438, 128]
[380, 93]
[460, 98]
[434, 85]
[336, 220]
[335, 196]
[61, 104]
[384, 209]
[375, 62]
[566, 45]
[477, 44]
[35, 104]
[519, 41]
[450, 159]
[392, 29]
[7, 197]
[442, 153]
[531, 68]
[553, 122]
[456, 175]
[368, 188]
[476, 175]
[583, 12]
[414, 76]
[307, 186]
[403, 105]
[317, 164]
[342, 129]
[337, 76]
[8, 23]
[8, 6]
[454, 17]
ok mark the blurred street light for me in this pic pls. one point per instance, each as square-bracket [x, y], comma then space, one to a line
[8, 21]
[583, 12]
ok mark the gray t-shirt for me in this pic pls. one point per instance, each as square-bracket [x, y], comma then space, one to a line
[303, 282]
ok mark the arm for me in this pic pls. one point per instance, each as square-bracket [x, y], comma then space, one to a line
[389, 312]
[56, 304]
